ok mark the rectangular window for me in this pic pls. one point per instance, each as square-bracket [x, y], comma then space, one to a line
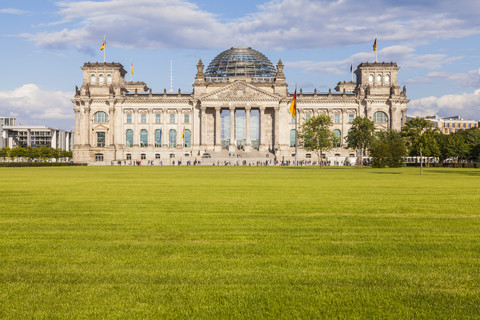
[351, 117]
[143, 118]
[158, 118]
[143, 156]
[157, 155]
[186, 118]
[101, 139]
[99, 157]
[129, 118]
[336, 118]
[129, 156]
[172, 118]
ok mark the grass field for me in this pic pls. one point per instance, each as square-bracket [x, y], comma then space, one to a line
[239, 242]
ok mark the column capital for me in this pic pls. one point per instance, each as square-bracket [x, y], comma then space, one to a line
[248, 108]
[217, 108]
[262, 108]
[231, 108]
[276, 108]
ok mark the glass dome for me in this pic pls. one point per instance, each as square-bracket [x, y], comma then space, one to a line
[240, 62]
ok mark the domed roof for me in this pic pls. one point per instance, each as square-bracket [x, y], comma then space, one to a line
[240, 62]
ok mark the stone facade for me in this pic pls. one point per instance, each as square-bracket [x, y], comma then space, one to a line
[117, 120]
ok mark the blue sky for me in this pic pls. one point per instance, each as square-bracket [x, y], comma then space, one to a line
[44, 43]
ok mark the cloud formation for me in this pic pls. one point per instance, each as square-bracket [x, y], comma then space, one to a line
[14, 11]
[30, 104]
[466, 105]
[155, 24]
[403, 55]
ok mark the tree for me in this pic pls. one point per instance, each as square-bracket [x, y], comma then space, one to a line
[17, 152]
[360, 136]
[432, 145]
[457, 146]
[45, 152]
[4, 153]
[388, 149]
[316, 136]
[417, 132]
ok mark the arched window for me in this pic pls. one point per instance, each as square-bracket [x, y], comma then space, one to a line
[129, 138]
[158, 138]
[387, 78]
[100, 79]
[338, 137]
[143, 138]
[172, 138]
[379, 78]
[380, 117]
[100, 117]
[188, 138]
[292, 138]
[370, 77]
[93, 78]
[109, 78]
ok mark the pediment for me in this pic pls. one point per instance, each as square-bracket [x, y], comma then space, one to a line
[240, 91]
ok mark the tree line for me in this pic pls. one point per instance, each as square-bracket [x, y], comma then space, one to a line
[34, 153]
[418, 138]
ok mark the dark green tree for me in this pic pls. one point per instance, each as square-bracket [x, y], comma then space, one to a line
[457, 146]
[388, 149]
[417, 131]
[360, 136]
[316, 135]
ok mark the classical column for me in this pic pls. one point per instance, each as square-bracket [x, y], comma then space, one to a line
[136, 132]
[77, 133]
[277, 127]
[87, 126]
[111, 121]
[151, 130]
[165, 133]
[263, 127]
[203, 126]
[247, 134]
[218, 128]
[232, 126]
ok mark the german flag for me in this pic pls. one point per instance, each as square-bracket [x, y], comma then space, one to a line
[293, 105]
[375, 45]
[103, 45]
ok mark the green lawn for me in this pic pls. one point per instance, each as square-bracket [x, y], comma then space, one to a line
[239, 242]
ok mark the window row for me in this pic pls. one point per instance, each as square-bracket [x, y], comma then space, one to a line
[172, 138]
[336, 133]
[157, 119]
[101, 78]
[336, 117]
[379, 77]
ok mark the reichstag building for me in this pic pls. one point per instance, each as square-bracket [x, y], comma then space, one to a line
[238, 110]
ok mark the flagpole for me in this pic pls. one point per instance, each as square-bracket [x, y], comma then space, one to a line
[104, 49]
[296, 139]
[376, 51]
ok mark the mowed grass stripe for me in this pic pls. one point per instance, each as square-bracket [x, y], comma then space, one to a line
[203, 242]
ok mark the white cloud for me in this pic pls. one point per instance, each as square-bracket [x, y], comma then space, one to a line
[404, 55]
[467, 105]
[154, 24]
[30, 104]
[14, 11]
